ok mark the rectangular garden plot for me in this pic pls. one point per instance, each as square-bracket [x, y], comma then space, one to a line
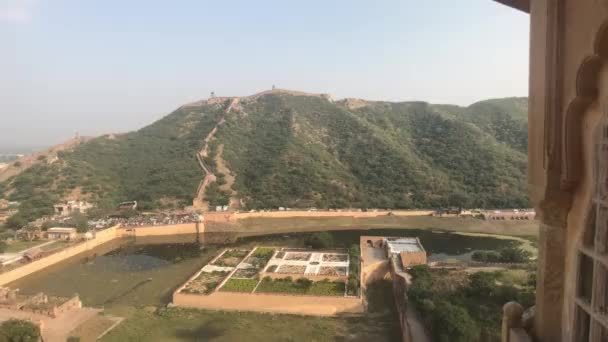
[205, 283]
[245, 273]
[297, 256]
[230, 258]
[239, 285]
[291, 269]
[335, 257]
[332, 271]
[301, 286]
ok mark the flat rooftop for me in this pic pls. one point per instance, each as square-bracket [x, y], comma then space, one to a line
[408, 245]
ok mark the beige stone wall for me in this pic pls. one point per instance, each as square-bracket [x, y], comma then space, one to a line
[71, 304]
[413, 258]
[374, 272]
[35, 266]
[351, 213]
[175, 229]
[271, 303]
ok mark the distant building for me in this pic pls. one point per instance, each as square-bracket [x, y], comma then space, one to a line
[126, 206]
[406, 249]
[32, 254]
[409, 250]
[514, 214]
[72, 207]
[60, 233]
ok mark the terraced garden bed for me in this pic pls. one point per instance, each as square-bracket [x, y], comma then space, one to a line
[239, 285]
[335, 257]
[260, 257]
[205, 283]
[231, 258]
[298, 256]
[301, 286]
[245, 273]
[291, 269]
[332, 271]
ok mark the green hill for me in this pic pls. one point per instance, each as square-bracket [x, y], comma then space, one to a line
[300, 151]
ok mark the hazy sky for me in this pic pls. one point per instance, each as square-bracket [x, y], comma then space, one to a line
[98, 66]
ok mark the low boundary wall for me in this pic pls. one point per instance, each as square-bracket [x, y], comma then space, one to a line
[101, 237]
[174, 229]
[233, 217]
[347, 213]
[271, 303]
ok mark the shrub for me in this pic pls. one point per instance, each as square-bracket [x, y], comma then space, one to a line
[239, 285]
[506, 255]
[320, 240]
[453, 324]
[264, 253]
[513, 254]
[19, 330]
[304, 282]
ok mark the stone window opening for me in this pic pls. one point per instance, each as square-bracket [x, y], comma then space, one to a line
[591, 304]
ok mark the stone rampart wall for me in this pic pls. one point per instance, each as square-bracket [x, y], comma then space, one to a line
[344, 213]
[174, 229]
[27, 269]
[271, 303]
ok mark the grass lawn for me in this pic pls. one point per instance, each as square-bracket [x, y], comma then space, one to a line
[179, 324]
[18, 246]
[89, 330]
[239, 285]
[514, 277]
[319, 288]
[55, 245]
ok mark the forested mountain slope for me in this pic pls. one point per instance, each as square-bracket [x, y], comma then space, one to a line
[300, 151]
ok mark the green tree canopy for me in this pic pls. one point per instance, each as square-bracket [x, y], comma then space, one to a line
[15, 330]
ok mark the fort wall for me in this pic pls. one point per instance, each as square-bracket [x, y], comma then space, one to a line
[271, 303]
[174, 229]
[349, 213]
[233, 217]
[35, 266]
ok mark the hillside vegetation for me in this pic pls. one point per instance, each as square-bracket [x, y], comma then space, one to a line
[300, 151]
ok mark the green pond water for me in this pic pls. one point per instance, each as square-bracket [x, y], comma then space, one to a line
[145, 272]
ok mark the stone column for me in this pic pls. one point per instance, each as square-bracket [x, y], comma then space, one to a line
[511, 318]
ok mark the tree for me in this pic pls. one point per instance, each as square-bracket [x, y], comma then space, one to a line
[80, 222]
[483, 283]
[15, 222]
[15, 330]
[453, 324]
[320, 240]
[512, 254]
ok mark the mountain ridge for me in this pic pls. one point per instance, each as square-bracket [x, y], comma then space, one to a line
[293, 149]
